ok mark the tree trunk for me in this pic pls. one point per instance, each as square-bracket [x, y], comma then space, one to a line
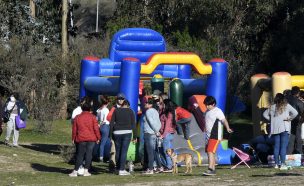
[64, 44]
[33, 8]
[64, 30]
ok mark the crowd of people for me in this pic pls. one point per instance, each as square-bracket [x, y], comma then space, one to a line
[286, 119]
[161, 119]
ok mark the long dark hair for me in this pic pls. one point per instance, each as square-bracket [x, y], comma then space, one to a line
[280, 102]
[170, 108]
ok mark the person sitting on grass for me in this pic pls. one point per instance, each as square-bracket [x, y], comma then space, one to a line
[214, 117]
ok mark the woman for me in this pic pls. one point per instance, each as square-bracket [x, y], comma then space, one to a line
[104, 124]
[152, 126]
[280, 115]
[85, 134]
[14, 106]
[167, 131]
[121, 126]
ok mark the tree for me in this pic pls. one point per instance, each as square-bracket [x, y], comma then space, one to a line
[33, 8]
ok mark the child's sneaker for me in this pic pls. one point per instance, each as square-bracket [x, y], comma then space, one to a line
[209, 172]
[123, 173]
[148, 171]
[86, 173]
[73, 174]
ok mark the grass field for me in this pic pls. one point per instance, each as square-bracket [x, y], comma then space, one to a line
[38, 162]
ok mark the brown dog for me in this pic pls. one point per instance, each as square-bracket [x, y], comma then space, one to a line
[187, 158]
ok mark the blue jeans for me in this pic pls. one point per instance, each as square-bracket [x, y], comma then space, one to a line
[122, 142]
[104, 130]
[150, 151]
[280, 147]
[183, 126]
[167, 144]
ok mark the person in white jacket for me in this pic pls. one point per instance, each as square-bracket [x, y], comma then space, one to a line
[12, 106]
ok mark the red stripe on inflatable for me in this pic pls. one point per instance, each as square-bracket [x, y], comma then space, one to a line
[260, 75]
[133, 59]
[92, 58]
[218, 60]
[281, 73]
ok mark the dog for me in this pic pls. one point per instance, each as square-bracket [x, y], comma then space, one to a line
[177, 158]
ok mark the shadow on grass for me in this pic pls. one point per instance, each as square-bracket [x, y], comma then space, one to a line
[44, 168]
[99, 169]
[278, 174]
[190, 174]
[47, 148]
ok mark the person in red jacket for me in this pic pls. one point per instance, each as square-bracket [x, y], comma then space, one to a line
[85, 134]
[183, 120]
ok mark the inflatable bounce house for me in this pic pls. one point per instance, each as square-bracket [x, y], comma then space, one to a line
[264, 89]
[137, 54]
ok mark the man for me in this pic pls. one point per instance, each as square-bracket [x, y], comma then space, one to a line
[295, 141]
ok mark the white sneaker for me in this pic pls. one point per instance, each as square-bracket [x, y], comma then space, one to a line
[283, 167]
[80, 171]
[86, 173]
[101, 158]
[73, 174]
[148, 171]
[159, 170]
[276, 166]
[123, 173]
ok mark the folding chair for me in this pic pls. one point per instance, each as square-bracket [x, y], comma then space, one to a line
[243, 157]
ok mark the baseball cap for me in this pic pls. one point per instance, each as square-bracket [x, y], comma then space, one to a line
[121, 95]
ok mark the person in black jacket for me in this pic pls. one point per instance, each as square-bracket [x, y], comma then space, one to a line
[295, 141]
[121, 126]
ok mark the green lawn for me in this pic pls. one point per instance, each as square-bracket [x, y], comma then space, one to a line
[38, 162]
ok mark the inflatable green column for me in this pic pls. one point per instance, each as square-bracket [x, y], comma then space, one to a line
[157, 83]
[176, 91]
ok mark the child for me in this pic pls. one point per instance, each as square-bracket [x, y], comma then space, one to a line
[214, 117]
[104, 125]
[183, 120]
